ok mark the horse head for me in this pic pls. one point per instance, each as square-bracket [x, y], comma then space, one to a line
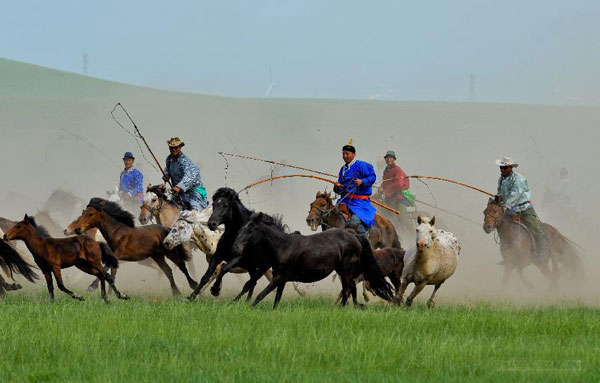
[180, 233]
[150, 207]
[19, 230]
[88, 219]
[492, 215]
[225, 200]
[426, 232]
[319, 209]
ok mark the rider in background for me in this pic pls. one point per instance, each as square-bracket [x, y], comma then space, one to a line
[395, 184]
[515, 196]
[131, 180]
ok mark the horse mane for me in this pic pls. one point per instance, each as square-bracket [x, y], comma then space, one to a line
[272, 220]
[158, 190]
[41, 230]
[114, 210]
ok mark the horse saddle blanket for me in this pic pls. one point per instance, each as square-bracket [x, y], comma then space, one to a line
[343, 209]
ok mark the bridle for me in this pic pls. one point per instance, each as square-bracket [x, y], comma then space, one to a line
[325, 212]
[154, 211]
[496, 219]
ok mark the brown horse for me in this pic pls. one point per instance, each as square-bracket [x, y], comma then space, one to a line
[323, 212]
[54, 254]
[131, 243]
[517, 246]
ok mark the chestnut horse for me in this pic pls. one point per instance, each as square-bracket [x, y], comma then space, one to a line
[517, 246]
[54, 254]
[323, 212]
[131, 243]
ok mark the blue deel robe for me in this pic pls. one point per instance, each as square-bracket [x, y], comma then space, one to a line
[361, 207]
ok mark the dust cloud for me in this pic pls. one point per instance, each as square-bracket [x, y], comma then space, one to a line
[42, 110]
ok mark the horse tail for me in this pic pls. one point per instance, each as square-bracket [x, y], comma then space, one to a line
[108, 258]
[15, 263]
[182, 253]
[372, 272]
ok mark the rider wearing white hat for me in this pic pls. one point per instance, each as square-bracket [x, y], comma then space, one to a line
[514, 193]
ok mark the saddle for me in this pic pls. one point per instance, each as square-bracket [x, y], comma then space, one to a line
[343, 209]
[516, 219]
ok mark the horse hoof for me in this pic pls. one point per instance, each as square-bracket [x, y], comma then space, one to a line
[191, 298]
[78, 297]
[215, 292]
[90, 289]
[124, 297]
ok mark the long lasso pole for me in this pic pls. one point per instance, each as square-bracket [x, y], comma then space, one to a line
[314, 177]
[386, 180]
[139, 134]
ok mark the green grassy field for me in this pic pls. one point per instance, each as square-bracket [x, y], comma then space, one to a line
[162, 339]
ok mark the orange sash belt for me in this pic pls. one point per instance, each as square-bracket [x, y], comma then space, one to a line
[357, 196]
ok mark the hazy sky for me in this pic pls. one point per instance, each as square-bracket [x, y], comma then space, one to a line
[515, 51]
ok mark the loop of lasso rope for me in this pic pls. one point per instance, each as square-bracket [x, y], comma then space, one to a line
[314, 177]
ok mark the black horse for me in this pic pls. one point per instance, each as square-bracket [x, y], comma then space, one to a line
[228, 210]
[296, 257]
[11, 262]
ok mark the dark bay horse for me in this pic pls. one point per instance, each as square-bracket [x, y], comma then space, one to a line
[54, 254]
[12, 263]
[131, 243]
[296, 257]
[517, 246]
[391, 264]
[323, 212]
[229, 211]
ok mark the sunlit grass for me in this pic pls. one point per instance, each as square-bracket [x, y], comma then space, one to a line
[304, 339]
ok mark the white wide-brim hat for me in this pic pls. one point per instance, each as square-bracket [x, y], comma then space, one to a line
[507, 161]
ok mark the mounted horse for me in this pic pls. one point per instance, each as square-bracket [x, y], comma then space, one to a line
[517, 246]
[131, 243]
[54, 254]
[323, 212]
[295, 257]
[157, 205]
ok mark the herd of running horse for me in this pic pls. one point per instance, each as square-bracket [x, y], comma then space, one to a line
[238, 240]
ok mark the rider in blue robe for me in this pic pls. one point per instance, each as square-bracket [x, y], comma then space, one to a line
[354, 184]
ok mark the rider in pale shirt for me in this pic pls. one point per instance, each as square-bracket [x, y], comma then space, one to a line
[185, 176]
[515, 196]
